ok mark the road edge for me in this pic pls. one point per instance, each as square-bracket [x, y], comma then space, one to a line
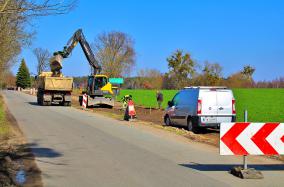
[20, 156]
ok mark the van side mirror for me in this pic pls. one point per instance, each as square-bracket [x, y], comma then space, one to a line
[170, 103]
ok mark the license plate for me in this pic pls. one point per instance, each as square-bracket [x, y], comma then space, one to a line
[208, 119]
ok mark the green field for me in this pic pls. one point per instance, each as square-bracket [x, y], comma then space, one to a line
[263, 105]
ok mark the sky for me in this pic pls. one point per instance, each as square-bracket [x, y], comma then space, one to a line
[232, 33]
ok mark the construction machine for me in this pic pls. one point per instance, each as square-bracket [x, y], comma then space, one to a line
[99, 90]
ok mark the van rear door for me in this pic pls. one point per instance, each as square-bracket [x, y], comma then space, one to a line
[224, 102]
[208, 105]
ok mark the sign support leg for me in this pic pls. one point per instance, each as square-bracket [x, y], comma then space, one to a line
[245, 172]
[245, 162]
[245, 156]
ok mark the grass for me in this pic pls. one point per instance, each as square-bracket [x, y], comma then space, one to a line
[147, 98]
[263, 105]
[4, 126]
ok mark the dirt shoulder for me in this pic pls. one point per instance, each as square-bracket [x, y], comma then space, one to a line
[17, 163]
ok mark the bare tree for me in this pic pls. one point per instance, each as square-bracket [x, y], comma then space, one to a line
[115, 52]
[15, 17]
[212, 74]
[150, 78]
[36, 7]
[42, 56]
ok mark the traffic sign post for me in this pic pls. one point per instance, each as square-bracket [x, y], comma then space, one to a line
[251, 139]
[245, 156]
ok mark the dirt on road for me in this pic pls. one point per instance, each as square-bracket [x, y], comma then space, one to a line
[17, 163]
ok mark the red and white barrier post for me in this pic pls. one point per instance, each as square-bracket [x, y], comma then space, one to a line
[85, 100]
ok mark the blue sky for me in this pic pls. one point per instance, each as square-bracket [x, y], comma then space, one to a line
[231, 32]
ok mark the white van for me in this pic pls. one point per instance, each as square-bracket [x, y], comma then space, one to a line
[201, 107]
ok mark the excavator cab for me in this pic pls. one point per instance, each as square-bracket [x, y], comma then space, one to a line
[98, 85]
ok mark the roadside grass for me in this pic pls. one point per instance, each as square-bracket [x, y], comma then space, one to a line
[263, 105]
[4, 126]
[147, 98]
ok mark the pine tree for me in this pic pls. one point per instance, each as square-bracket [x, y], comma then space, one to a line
[23, 79]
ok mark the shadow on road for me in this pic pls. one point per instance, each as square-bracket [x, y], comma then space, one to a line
[101, 106]
[29, 150]
[33, 103]
[42, 151]
[228, 167]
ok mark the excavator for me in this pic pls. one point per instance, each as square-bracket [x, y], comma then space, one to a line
[99, 90]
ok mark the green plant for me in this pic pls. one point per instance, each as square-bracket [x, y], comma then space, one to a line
[23, 78]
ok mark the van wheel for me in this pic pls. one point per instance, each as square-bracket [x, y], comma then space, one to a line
[192, 127]
[167, 121]
[189, 125]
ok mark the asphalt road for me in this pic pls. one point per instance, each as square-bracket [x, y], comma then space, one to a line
[78, 148]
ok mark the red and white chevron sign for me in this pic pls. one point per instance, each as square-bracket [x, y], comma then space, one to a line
[252, 138]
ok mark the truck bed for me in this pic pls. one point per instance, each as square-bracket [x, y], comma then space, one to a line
[56, 83]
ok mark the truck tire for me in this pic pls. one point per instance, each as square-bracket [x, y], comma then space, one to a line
[39, 98]
[67, 103]
[41, 103]
[80, 100]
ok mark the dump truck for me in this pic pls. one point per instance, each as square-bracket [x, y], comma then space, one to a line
[54, 89]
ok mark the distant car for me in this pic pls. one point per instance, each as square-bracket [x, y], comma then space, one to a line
[201, 107]
[11, 88]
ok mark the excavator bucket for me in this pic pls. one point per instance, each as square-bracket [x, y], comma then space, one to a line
[56, 63]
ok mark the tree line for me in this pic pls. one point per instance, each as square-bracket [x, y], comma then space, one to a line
[184, 71]
[16, 31]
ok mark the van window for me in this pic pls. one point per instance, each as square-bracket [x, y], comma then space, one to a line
[176, 99]
[185, 97]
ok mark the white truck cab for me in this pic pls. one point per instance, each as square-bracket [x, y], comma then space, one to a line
[201, 107]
